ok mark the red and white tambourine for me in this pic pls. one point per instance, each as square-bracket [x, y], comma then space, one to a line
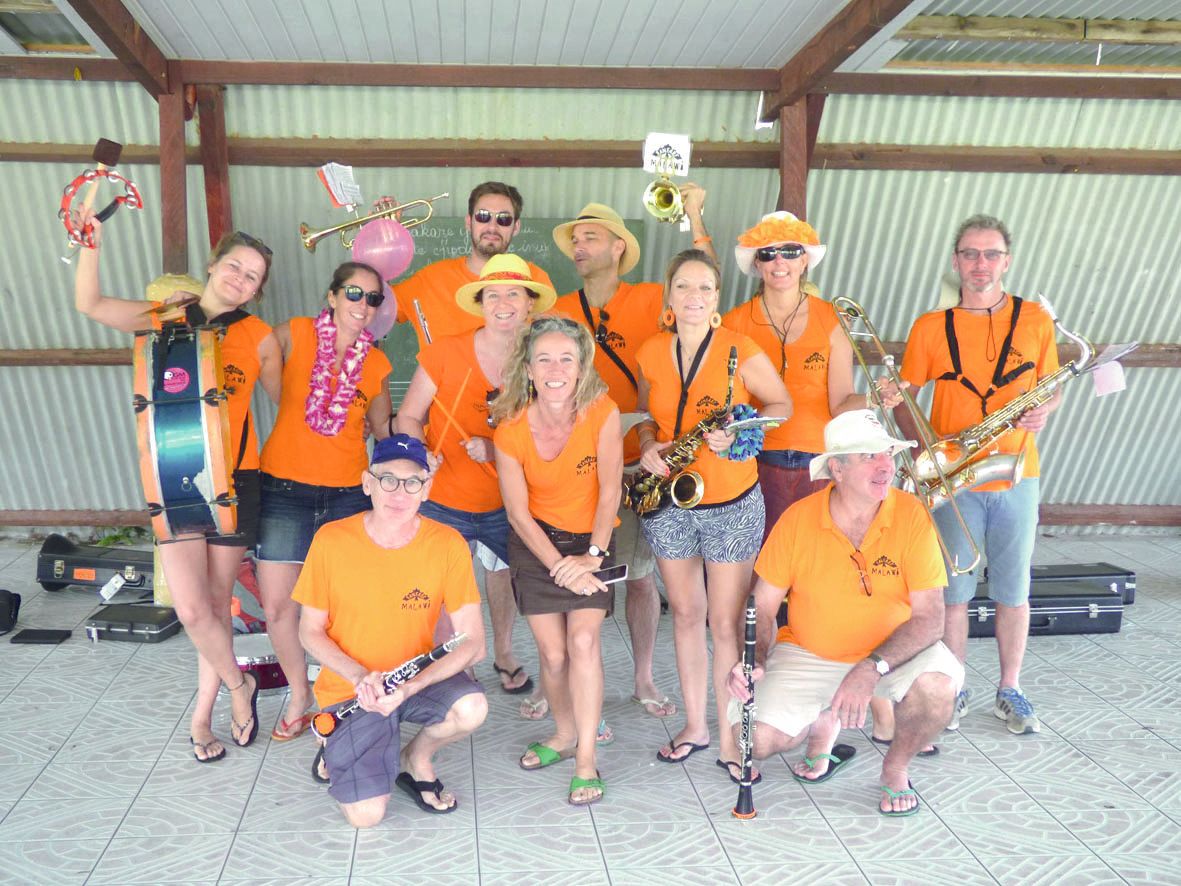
[129, 198]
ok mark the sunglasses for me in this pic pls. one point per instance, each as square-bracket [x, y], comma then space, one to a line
[990, 255]
[483, 216]
[488, 398]
[356, 293]
[859, 561]
[787, 250]
[244, 239]
[601, 329]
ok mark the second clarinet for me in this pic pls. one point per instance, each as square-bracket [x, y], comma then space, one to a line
[745, 807]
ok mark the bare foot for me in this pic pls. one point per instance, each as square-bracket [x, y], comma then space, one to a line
[654, 702]
[207, 747]
[535, 707]
[900, 798]
[821, 738]
[442, 799]
[683, 745]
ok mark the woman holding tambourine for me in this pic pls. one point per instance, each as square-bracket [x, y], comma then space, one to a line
[200, 570]
[334, 379]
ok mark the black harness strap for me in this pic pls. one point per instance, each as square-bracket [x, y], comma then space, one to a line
[686, 381]
[601, 340]
[1000, 378]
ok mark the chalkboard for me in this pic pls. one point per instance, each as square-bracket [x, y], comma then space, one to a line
[442, 238]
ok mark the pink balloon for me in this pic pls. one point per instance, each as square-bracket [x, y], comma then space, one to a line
[387, 246]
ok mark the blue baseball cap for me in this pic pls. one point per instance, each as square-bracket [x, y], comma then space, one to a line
[400, 446]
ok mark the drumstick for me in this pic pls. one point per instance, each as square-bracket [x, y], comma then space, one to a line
[454, 406]
[179, 304]
[488, 469]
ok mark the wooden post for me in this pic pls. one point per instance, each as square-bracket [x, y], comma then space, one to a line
[215, 160]
[173, 202]
[793, 158]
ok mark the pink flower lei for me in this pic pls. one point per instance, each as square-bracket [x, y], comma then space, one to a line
[326, 411]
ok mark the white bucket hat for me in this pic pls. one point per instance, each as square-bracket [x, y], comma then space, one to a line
[852, 433]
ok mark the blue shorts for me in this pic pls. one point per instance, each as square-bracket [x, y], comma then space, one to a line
[489, 527]
[292, 512]
[1004, 525]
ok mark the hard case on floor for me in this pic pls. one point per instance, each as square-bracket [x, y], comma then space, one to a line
[61, 563]
[132, 623]
[1055, 608]
[1118, 579]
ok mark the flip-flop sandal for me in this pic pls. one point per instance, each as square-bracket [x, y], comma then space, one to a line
[546, 756]
[894, 795]
[577, 783]
[841, 754]
[932, 751]
[417, 788]
[316, 761]
[724, 764]
[673, 748]
[527, 686]
[604, 735]
[284, 731]
[203, 746]
[537, 709]
[659, 703]
[236, 728]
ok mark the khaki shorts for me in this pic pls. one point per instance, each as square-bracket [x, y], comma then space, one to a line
[628, 545]
[798, 685]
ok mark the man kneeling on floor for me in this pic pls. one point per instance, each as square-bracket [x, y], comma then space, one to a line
[861, 569]
[373, 588]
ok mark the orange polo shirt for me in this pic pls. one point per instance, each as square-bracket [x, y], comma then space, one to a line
[805, 374]
[632, 317]
[724, 480]
[296, 452]
[563, 492]
[460, 482]
[382, 604]
[954, 407]
[828, 610]
[434, 286]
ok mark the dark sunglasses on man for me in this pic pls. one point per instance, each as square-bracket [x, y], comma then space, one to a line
[787, 250]
[356, 293]
[504, 219]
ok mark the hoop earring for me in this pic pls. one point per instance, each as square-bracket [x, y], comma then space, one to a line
[668, 318]
[715, 320]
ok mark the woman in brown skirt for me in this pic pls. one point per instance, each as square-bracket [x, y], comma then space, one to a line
[559, 454]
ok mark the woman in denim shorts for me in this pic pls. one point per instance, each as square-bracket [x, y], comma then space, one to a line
[334, 378]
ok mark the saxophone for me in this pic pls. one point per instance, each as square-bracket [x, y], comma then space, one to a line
[645, 492]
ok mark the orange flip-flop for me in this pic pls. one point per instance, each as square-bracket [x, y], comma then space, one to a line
[283, 732]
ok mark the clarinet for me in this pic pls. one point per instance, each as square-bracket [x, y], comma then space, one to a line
[745, 807]
[325, 722]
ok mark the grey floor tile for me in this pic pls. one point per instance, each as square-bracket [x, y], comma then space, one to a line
[685, 876]
[15, 779]
[232, 877]
[523, 807]
[57, 819]
[1024, 833]
[1072, 869]
[829, 873]
[876, 838]
[309, 853]
[73, 781]
[930, 871]
[1124, 831]
[49, 862]
[991, 792]
[178, 774]
[659, 844]
[298, 812]
[180, 859]
[1144, 868]
[1081, 790]
[540, 848]
[594, 876]
[197, 814]
[412, 856]
[773, 800]
[811, 841]
[143, 745]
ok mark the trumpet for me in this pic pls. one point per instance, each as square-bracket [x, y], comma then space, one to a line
[940, 489]
[310, 238]
[663, 200]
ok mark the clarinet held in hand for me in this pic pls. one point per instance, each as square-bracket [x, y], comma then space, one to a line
[325, 722]
[745, 807]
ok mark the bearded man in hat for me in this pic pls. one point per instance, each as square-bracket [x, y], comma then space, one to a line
[862, 572]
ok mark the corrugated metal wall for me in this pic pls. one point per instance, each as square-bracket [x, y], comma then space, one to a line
[1102, 247]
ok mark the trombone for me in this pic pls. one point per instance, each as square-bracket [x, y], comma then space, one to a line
[941, 488]
[310, 238]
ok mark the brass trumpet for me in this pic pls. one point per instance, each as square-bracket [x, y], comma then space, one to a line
[940, 489]
[663, 200]
[310, 239]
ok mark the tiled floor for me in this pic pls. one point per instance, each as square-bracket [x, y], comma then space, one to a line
[97, 784]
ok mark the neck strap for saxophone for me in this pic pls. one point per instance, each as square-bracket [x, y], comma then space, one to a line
[687, 380]
[1000, 378]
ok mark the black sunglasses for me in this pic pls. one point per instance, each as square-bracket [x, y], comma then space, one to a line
[356, 293]
[601, 329]
[787, 250]
[483, 216]
[488, 398]
[241, 237]
[858, 559]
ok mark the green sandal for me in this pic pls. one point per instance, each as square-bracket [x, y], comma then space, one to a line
[841, 754]
[577, 784]
[546, 756]
[894, 795]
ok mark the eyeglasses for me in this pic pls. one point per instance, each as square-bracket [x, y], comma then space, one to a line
[483, 216]
[859, 561]
[245, 239]
[391, 483]
[787, 250]
[488, 398]
[990, 255]
[356, 293]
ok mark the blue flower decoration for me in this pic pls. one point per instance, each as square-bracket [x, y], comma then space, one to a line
[749, 441]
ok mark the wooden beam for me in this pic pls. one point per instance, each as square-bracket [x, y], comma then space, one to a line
[968, 158]
[1158, 32]
[44, 152]
[215, 160]
[173, 186]
[793, 158]
[122, 34]
[28, 6]
[839, 39]
[1109, 515]
[74, 518]
[990, 28]
[815, 104]
[96, 69]
[1001, 86]
[1083, 70]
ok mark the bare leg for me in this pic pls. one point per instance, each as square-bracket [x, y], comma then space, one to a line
[921, 716]
[208, 683]
[883, 723]
[729, 586]
[585, 675]
[955, 629]
[550, 632]
[687, 602]
[822, 735]
[503, 608]
[365, 813]
[1012, 632]
[417, 758]
[276, 581]
[643, 617]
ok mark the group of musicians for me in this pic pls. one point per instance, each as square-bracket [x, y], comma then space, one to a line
[513, 444]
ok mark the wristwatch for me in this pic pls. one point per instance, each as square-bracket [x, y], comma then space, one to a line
[596, 551]
[880, 664]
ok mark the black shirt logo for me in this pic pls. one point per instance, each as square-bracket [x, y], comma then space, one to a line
[707, 404]
[815, 360]
[359, 399]
[233, 378]
[416, 600]
[883, 565]
[586, 465]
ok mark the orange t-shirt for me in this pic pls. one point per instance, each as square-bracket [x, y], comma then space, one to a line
[806, 372]
[434, 286]
[240, 368]
[296, 452]
[724, 479]
[460, 482]
[632, 317]
[563, 492]
[382, 604]
[828, 611]
[954, 407]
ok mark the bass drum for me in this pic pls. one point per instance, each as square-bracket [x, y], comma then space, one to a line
[183, 431]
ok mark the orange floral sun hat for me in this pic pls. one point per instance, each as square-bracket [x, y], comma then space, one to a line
[773, 228]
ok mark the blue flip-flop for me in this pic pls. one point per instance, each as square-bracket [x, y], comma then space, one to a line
[840, 755]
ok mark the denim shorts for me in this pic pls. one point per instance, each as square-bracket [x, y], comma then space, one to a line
[1004, 525]
[293, 511]
[489, 527]
[786, 458]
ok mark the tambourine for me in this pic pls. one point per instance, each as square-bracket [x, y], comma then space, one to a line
[129, 198]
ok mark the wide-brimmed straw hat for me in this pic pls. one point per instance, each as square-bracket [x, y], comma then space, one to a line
[599, 214]
[773, 228]
[852, 433]
[509, 269]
